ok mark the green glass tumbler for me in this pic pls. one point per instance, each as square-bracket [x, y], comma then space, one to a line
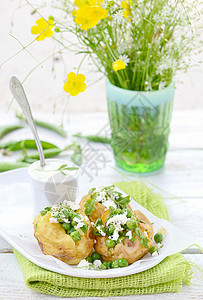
[140, 126]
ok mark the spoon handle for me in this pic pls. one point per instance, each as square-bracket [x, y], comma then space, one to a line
[19, 94]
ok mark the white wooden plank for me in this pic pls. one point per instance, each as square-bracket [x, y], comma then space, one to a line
[186, 127]
[12, 285]
[182, 175]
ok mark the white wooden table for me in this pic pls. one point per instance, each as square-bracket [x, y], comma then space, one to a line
[182, 177]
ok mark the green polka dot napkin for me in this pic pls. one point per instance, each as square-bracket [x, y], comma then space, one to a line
[166, 277]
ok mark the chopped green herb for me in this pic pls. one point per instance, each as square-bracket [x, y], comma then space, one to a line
[89, 206]
[153, 249]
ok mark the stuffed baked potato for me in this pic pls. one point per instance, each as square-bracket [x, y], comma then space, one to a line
[122, 234]
[64, 233]
[119, 235]
[100, 199]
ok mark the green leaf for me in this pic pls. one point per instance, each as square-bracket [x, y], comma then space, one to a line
[89, 205]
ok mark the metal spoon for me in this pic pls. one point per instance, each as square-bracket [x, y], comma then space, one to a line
[19, 94]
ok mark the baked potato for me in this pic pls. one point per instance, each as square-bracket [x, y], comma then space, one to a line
[100, 199]
[58, 237]
[131, 239]
[98, 211]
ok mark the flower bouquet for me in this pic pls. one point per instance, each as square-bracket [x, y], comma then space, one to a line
[139, 46]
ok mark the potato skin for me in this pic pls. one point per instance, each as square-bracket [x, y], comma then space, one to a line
[53, 240]
[131, 251]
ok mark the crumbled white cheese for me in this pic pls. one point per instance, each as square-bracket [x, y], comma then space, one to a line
[79, 225]
[97, 263]
[118, 220]
[53, 220]
[66, 203]
[109, 203]
[54, 208]
[71, 204]
[155, 253]
[75, 206]
[129, 234]
[65, 220]
[115, 235]
[83, 264]
[76, 219]
[92, 223]
[54, 214]
[103, 194]
[100, 231]
[101, 197]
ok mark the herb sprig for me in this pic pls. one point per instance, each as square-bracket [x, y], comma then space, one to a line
[117, 197]
[61, 169]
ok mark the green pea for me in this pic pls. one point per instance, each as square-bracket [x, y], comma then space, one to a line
[110, 243]
[75, 236]
[122, 262]
[153, 249]
[115, 264]
[107, 264]
[66, 226]
[72, 215]
[103, 267]
[74, 223]
[84, 228]
[96, 256]
[158, 237]
[110, 229]
[71, 230]
[89, 259]
[131, 224]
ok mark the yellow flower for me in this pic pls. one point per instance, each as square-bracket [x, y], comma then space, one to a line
[118, 65]
[75, 84]
[88, 16]
[43, 28]
[126, 6]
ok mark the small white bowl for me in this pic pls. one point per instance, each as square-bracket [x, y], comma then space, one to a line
[51, 186]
